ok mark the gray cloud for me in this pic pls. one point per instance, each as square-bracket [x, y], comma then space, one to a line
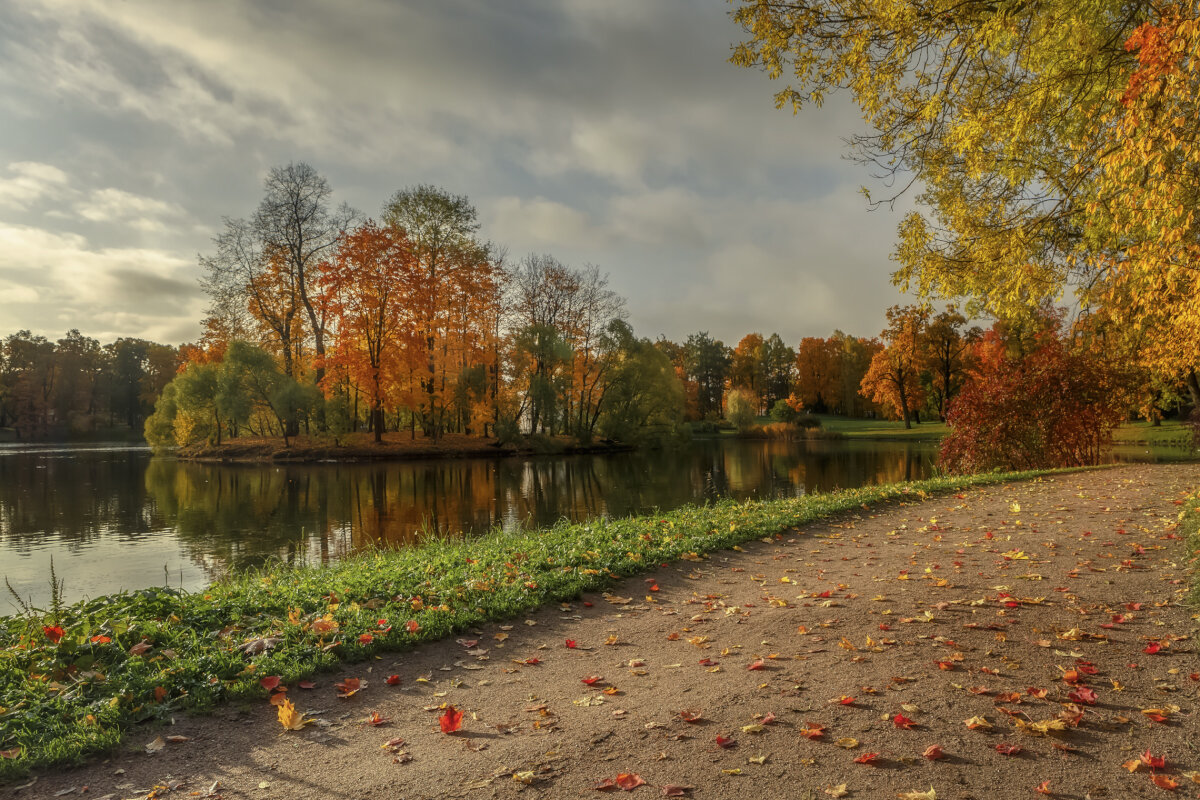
[604, 131]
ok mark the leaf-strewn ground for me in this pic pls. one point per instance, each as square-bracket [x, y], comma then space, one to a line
[1050, 614]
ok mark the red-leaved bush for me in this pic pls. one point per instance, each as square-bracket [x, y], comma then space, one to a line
[1049, 406]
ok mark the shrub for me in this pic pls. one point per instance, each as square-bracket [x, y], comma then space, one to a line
[1050, 406]
[741, 409]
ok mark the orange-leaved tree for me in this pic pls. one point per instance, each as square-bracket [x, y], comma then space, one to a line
[894, 377]
[366, 288]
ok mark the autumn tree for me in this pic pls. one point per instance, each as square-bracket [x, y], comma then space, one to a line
[1055, 145]
[746, 367]
[366, 289]
[460, 284]
[947, 349]
[818, 373]
[893, 379]
[707, 361]
[1053, 402]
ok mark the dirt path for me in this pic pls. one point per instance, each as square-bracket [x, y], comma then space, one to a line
[959, 607]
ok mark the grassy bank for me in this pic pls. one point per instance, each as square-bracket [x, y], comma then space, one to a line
[1171, 433]
[1189, 529]
[74, 679]
[883, 429]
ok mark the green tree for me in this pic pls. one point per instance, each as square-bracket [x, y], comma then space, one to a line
[643, 399]
[741, 408]
[707, 362]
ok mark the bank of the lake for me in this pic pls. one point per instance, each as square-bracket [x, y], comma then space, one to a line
[393, 447]
[74, 678]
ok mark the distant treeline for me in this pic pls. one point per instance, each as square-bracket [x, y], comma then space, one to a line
[75, 387]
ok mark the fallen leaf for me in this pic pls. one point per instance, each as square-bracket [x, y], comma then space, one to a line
[676, 790]
[290, 718]
[836, 791]
[847, 742]
[975, 723]
[350, 687]
[625, 781]
[867, 758]
[934, 752]
[155, 746]
[1006, 749]
[692, 715]
[930, 795]
[1163, 782]
[450, 720]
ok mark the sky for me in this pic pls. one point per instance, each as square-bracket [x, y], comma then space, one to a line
[606, 132]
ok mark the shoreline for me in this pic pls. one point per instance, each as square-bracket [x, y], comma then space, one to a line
[358, 448]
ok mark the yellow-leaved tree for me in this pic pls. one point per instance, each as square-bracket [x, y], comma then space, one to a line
[1053, 145]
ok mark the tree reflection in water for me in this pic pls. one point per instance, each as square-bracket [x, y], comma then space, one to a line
[136, 513]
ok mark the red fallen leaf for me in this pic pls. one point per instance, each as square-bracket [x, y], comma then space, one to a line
[1163, 782]
[725, 741]
[532, 661]
[654, 587]
[1152, 761]
[883, 626]
[140, 648]
[812, 730]
[100, 639]
[1008, 697]
[707, 662]
[53, 632]
[587, 604]
[1082, 694]
[1085, 667]
[279, 698]
[571, 643]
[365, 639]
[270, 683]
[592, 680]
[1155, 717]
[412, 626]
[675, 790]
[901, 721]
[946, 665]
[348, 687]
[1195, 676]
[375, 719]
[1152, 648]
[846, 700]
[759, 664]
[979, 690]
[1071, 676]
[1133, 606]
[867, 758]
[768, 718]
[1006, 749]
[1043, 788]
[691, 715]
[625, 781]
[450, 720]
[1038, 693]
[934, 752]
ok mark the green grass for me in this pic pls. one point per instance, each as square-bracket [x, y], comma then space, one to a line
[883, 429]
[1170, 433]
[1189, 529]
[61, 702]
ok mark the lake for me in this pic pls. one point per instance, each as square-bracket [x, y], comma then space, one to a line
[117, 518]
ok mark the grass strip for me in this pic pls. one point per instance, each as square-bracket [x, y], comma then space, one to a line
[74, 679]
[1189, 531]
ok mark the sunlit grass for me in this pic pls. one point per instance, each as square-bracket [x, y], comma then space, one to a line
[60, 702]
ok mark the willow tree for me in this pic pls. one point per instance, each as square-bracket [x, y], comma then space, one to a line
[1053, 145]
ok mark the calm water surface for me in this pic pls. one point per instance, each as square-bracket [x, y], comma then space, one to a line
[117, 518]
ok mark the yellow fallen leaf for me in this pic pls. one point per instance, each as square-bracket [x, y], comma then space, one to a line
[848, 742]
[757, 759]
[290, 718]
[930, 795]
[836, 791]
[734, 771]
[158, 744]
[753, 728]
[978, 722]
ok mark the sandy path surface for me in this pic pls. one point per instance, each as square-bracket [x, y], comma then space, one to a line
[958, 607]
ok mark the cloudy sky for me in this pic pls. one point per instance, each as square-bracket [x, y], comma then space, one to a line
[611, 132]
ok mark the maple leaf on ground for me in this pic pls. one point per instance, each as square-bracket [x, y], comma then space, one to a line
[901, 721]
[290, 718]
[592, 680]
[1163, 782]
[676, 790]
[1006, 749]
[812, 730]
[571, 644]
[1043, 788]
[725, 741]
[758, 664]
[768, 718]
[867, 758]
[450, 720]
[392, 680]
[692, 715]
[375, 719]
[934, 752]
[270, 683]
[349, 687]
[975, 723]
[1152, 761]
[1082, 694]
[625, 781]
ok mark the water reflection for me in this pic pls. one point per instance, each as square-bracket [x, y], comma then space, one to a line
[117, 518]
